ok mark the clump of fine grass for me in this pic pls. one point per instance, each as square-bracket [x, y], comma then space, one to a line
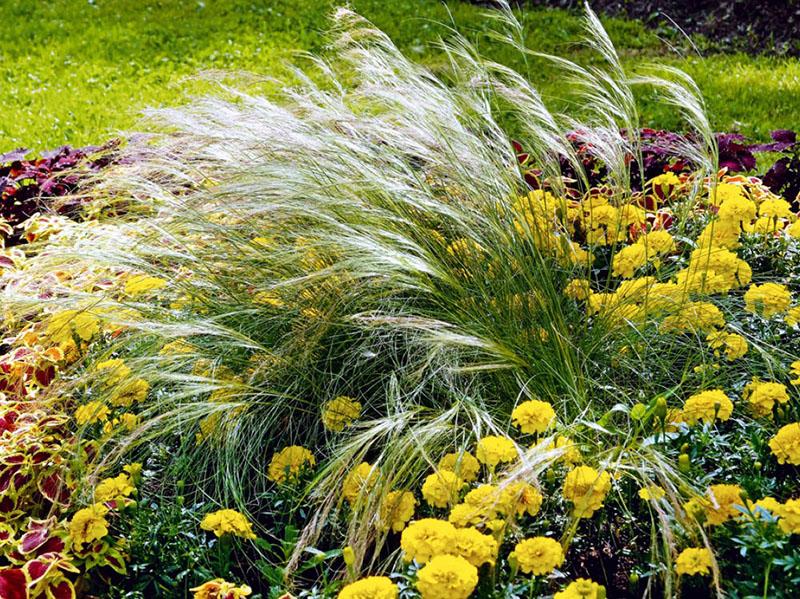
[358, 234]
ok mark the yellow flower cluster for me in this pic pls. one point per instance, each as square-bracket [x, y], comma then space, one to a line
[423, 539]
[718, 505]
[287, 464]
[440, 489]
[537, 555]
[734, 345]
[707, 406]
[88, 524]
[768, 299]
[371, 587]
[359, 480]
[397, 508]
[785, 445]
[228, 521]
[762, 396]
[533, 416]
[221, 589]
[110, 489]
[586, 488]
[465, 465]
[693, 560]
[493, 450]
[582, 588]
[447, 577]
[340, 412]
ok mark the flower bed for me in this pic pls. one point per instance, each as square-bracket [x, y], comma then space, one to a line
[357, 343]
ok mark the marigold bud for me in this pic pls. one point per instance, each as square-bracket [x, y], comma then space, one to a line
[684, 463]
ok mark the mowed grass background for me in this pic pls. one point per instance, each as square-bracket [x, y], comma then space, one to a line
[79, 72]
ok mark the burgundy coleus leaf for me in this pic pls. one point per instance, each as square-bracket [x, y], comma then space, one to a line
[33, 540]
[45, 376]
[52, 487]
[61, 590]
[37, 569]
[13, 584]
[6, 478]
[782, 139]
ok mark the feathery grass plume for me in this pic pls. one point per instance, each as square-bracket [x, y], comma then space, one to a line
[358, 233]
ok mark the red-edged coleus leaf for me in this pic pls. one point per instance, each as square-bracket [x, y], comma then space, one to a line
[37, 569]
[63, 589]
[31, 541]
[53, 488]
[6, 477]
[13, 584]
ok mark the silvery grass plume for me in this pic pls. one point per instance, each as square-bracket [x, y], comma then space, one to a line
[351, 233]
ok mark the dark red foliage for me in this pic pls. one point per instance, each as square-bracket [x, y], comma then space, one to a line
[29, 184]
[661, 153]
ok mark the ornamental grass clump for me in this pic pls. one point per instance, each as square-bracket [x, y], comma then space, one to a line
[352, 317]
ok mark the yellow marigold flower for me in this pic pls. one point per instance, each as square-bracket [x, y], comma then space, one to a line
[572, 453]
[476, 547]
[770, 504]
[447, 577]
[114, 488]
[520, 498]
[706, 406]
[694, 560]
[627, 260]
[533, 416]
[657, 243]
[423, 539]
[62, 325]
[795, 372]
[464, 515]
[340, 412]
[735, 347]
[794, 229]
[721, 233]
[117, 371]
[776, 208]
[493, 450]
[371, 587]
[127, 421]
[720, 503]
[763, 396]
[139, 284]
[586, 488]
[397, 508]
[463, 464]
[578, 289]
[766, 225]
[785, 445]
[768, 299]
[440, 489]
[287, 463]
[126, 394]
[359, 480]
[177, 347]
[91, 412]
[789, 514]
[227, 521]
[538, 555]
[582, 588]
[792, 317]
[700, 317]
[652, 492]
[88, 524]
[220, 589]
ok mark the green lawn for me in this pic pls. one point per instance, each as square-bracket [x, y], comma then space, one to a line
[78, 71]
